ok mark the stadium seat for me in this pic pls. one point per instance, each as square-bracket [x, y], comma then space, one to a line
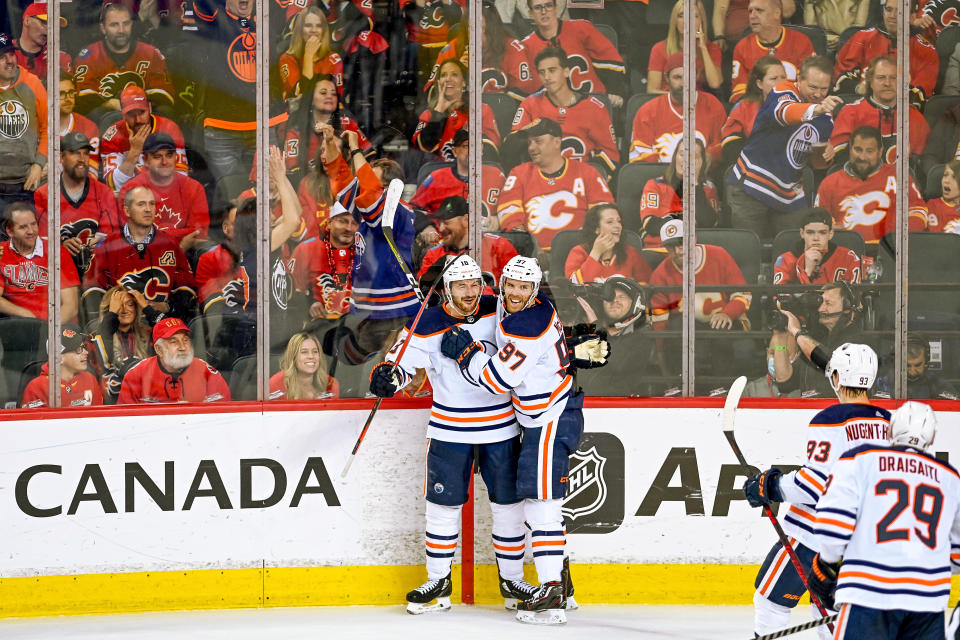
[947, 41]
[743, 245]
[426, 169]
[934, 188]
[24, 340]
[243, 379]
[566, 240]
[504, 109]
[633, 105]
[609, 33]
[522, 240]
[787, 240]
[631, 179]
[30, 371]
[937, 106]
[816, 34]
[934, 258]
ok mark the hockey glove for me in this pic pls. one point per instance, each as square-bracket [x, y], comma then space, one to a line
[589, 349]
[458, 345]
[822, 581]
[763, 488]
[384, 380]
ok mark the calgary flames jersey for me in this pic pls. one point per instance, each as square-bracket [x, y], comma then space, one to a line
[94, 213]
[547, 205]
[587, 50]
[739, 124]
[445, 182]
[660, 199]
[712, 265]
[658, 127]
[148, 383]
[116, 143]
[325, 272]
[943, 217]
[839, 263]
[216, 267]
[867, 112]
[83, 390]
[290, 74]
[86, 126]
[100, 77]
[586, 126]
[867, 44]
[24, 279]
[869, 206]
[508, 75]
[790, 50]
[181, 205]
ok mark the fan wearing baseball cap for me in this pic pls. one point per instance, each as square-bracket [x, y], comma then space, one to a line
[78, 387]
[174, 374]
[31, 46]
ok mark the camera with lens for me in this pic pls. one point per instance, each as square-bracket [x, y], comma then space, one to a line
[804, 305]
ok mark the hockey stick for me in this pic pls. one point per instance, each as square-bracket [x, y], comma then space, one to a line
[797, 629]
[729, 416]
[396, 363]
[394, 191]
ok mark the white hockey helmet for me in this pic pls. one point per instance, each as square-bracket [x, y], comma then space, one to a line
[856, 365]
[524, 269]
[463, 268]
[914, 424]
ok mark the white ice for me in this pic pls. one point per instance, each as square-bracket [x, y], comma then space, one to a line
[590, 622]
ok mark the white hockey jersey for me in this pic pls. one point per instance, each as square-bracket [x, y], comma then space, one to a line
[832, 432]
[461, 411]
[532, 363]
[893, 515]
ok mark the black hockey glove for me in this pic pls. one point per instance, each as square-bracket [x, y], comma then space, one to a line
[384, 380]
[588, 348]
[459, 345]
[763, 488]
[822, 581]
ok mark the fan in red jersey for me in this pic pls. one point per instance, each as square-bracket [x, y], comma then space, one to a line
[70, 121]
[816, 259]
[768, 37]
[598, 66]
[709, 54]
[123, 141]
[106, 67]
[31, 47]
[78, 387]
[453, 225]
[584, 119]
[323, 266]
[222, 282]
[143, 258]
[452, 181]
[878, 108]
[766, 74]
[944, 212]
[550, 193]
[309, 53]
[863, 196]
[867, 44]
[24, 273]
[182, 210]
[88, 208]
[602, 252]
[658, 123]
[174, 374]
[303, 372]
[447, 111]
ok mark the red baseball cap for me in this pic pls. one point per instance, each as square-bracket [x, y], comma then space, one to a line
[38, 10]
[133, 97]
[168, 327]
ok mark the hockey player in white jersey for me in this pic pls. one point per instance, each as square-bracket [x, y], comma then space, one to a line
[851, 369]
[891, 515]
[467, 425]
[532, 364]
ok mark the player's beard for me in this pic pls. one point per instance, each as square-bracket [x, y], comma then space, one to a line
[171, 360]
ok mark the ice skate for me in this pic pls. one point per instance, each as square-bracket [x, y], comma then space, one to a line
[546, 606]
[514, 591]
[421, 599]
[568, 586]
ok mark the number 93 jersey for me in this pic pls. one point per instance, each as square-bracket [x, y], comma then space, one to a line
[531, 363]
[892, 514]
[831, 433]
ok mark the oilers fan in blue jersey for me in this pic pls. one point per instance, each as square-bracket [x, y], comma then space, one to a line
[891, 514]
[852, 369]
[532, 365]
[765, 192]
[467, 425]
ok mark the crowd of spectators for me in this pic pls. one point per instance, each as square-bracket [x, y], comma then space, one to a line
[582, 129]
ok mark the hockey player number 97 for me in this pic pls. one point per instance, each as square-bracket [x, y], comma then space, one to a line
[509, 351]
[927, 505]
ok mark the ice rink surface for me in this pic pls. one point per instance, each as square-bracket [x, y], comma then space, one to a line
[590, 622]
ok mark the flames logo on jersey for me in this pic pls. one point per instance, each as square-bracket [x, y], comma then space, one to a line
[580, 74]
[952, 227]
[83, 230]
[550, 211]
[13, 119]
[113, 84]
[492, 80]
[241, 57]
[864, 209]
[152, 282]
[26, 275]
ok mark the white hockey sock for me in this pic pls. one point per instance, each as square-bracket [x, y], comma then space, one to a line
[548, 537]
[823, 630]
[509, 534]
[443, 531]
[768, 616]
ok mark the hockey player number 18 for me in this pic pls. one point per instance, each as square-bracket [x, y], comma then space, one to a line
[927, 504]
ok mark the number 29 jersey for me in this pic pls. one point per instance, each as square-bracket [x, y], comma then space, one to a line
[831, 433]
[893, 515]
[531, 363]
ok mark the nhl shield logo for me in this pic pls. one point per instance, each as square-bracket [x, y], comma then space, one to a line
[586, 487]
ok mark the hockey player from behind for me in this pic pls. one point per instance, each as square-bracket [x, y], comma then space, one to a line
[532, 364]
[891, 515]
[467, 426]
[851, 371]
